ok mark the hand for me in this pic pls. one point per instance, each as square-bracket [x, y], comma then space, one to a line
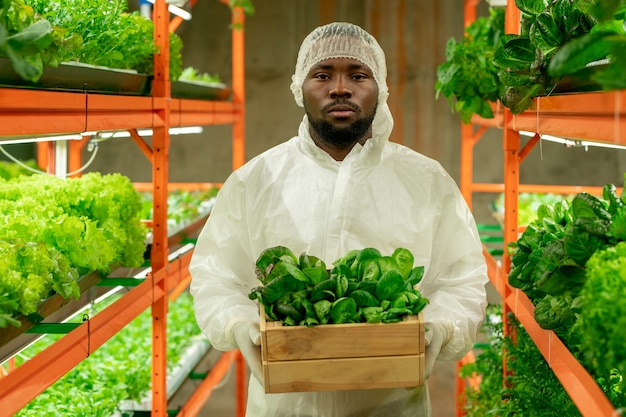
[437, 336]
[248, 339]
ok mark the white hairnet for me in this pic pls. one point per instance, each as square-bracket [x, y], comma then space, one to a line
[340, 40]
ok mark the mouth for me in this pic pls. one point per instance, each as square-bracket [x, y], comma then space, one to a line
[341, 110]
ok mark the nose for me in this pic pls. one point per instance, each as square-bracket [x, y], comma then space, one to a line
[341, 88]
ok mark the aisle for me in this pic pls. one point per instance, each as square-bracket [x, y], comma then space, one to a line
[222, 403]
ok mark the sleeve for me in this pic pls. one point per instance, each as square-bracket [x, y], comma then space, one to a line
[455, 281]
[222, 269]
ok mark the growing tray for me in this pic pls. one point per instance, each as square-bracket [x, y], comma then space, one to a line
[200, 90]
[70, 76]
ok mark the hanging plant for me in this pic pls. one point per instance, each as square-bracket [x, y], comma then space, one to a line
[468, 78]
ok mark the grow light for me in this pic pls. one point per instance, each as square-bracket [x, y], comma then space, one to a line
[148, 132]
[75, 136]
[176, 10]
[573, 143]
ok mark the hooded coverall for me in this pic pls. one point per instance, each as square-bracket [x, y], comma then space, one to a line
[382, 195]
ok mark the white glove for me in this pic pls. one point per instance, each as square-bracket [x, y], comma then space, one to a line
[437, 336]
[248, 339]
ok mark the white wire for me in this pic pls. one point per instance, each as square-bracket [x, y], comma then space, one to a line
[91, 159]
[94, 152]
[20, 163]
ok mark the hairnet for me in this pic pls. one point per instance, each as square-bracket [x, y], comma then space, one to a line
[340, 40]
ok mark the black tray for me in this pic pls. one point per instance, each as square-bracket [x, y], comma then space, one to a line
[200, 90]
[79, 77]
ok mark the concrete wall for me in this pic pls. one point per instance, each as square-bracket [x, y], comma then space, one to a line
[413, 34]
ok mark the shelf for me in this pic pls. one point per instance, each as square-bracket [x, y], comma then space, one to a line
[598, 117]
[27, 112]
[41, 112]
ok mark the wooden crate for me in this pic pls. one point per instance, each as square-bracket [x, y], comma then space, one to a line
[335, 357]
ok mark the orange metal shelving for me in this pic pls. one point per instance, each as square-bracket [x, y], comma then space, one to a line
[28, 112]
[597, 116]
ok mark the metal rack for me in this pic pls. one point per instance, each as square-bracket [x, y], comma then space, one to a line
[38, 112]
[596, 117]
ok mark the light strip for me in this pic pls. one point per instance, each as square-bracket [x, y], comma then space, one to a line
[76, 136]
[148, 132]
[573, 143]
[104, 135]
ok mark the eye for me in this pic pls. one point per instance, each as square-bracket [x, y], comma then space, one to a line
[321, 76]
[360, 77]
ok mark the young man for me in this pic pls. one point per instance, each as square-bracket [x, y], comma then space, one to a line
[340, 184]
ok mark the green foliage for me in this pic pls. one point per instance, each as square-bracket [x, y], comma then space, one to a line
[523, 59]
[607, 40]
[55, 230]
[603, 313]
[548, 261]
[192, 74]
[468, 78]
[10, 170]
[39, 33]
[182, 206]
[112, 37]
[30, 41]
[362, 286]
[119, 370]
[531, 388]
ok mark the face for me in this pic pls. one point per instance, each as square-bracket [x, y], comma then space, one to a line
[340, 97]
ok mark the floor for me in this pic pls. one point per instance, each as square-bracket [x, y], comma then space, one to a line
[221, 403]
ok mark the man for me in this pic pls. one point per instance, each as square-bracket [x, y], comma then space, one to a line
[340, 184]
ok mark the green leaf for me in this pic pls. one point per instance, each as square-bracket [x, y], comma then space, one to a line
[548, 30]
[39, 35]
[515, 54]
[531, 7]
[577, 53]
[519, 98]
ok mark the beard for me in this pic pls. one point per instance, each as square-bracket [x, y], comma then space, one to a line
[342, 137]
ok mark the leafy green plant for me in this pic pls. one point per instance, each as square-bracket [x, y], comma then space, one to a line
[182, 206]
[531, 388]
[111, 37]
[523, 59]
[468, 78]
[119, 370]
[192, 74]
[10, 170]
[100, 32]
[606, 41]
[362, 286]
[549, 259]
[603, 312]
[55, 230]
[30, 41]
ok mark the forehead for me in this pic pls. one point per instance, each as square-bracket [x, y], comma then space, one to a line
[340, 64]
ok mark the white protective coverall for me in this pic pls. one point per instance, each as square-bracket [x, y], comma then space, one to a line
[382, 195]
